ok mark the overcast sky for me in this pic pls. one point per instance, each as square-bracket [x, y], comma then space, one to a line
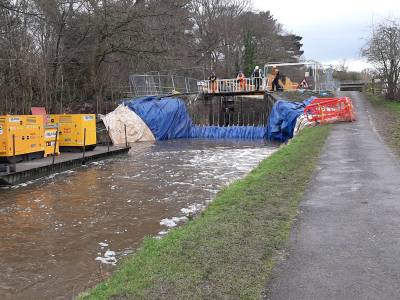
[332, 30]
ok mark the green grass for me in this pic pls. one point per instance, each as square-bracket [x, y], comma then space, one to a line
[379, 101]
[387, 117]
[229, 250]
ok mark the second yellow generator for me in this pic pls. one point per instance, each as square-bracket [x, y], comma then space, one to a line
[21, 137]
[76, 131]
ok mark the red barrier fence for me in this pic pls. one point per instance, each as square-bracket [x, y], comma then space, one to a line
[330, 110]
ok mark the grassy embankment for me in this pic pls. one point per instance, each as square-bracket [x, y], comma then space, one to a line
[386, 115]
[228, 251]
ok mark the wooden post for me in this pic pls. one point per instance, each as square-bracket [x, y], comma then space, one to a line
[14, 160]
[84, 146]
[55, 147]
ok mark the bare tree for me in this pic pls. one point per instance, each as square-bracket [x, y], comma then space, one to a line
[383, 51]
[73, 55]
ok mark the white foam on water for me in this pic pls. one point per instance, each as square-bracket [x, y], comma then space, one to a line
[51, 176]
[107, 260]
[179, 219]
[109, 253]
[168, 223]
[109, 256]
[192, 209]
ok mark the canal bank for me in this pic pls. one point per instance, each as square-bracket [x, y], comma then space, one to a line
[229, 250]
[55, 233]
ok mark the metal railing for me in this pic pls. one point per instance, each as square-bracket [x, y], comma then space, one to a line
[231, 85]
[156, 84]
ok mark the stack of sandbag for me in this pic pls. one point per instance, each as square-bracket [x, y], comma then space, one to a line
[136, 129]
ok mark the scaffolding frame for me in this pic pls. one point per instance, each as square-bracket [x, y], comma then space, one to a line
[317, 68]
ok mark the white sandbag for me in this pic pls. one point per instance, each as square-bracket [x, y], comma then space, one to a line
[136, 129]
[301, 123]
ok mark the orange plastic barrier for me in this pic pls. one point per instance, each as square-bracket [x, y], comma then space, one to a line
[330, 110]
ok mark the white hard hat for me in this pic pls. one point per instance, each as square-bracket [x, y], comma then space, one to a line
[257, 67]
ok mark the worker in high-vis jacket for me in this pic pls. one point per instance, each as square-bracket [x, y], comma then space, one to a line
[213, 83]
[241, 79]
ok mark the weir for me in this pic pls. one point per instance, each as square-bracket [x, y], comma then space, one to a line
[228, 110]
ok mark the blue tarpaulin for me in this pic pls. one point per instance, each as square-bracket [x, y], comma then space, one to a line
[167, 118]
[282, 119]
[229, 132]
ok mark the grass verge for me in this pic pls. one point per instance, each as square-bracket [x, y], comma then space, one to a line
[228, 251]
[386, 115]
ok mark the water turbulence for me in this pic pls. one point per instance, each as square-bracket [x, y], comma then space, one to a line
[62, 235]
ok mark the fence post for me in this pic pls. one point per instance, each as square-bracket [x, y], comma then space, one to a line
[173, 82]
[159, 84]
[84, 146]
[186, 85]
[14, 160]
[55, 147]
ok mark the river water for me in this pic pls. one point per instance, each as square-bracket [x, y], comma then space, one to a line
[62, 235]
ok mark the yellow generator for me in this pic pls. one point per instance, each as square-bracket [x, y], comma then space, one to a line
[72, 129]
[51, 140]
[22, 137]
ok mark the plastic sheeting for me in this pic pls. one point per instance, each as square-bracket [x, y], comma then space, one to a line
[301, 123]
[282, 119]
[136, 129]
[230, 132]
[167, 118]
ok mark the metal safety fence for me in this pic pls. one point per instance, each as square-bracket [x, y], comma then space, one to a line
[160, 85]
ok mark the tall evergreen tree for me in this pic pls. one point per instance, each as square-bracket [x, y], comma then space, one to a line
[249, 54]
